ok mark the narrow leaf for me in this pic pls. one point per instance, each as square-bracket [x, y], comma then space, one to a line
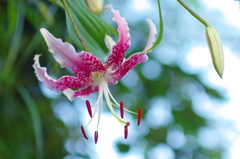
[35, 117]
[159, 38]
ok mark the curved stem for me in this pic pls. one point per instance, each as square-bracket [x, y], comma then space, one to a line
[194, 14]
[74, 25]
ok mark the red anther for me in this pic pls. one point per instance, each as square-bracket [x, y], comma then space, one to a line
[125, 131]
[89, 108]
[84, 133]
[121, 109]
[139, 115]
[96, 137]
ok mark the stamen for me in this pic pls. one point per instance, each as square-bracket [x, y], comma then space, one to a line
[84, 133]
[139, 115]
[121, 109]
[89, 108]
[126, 130]
[96, 137]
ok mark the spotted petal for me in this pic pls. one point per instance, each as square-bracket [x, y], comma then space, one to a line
[118, 51]
[66, 56]
[56, 85]
[64, 53]
[86, 65]
[131, 62]
[71, 95]
[136, 58]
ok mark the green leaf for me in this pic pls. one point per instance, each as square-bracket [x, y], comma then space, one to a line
[35, 117]
[12, 18]
[159, 38]
[6, 152]
[57, 2]
[16, 40]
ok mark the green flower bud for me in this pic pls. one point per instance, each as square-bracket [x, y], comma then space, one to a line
[216, 50]
[96, 6]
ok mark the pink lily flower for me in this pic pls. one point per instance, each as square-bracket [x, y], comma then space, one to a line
[91, 74]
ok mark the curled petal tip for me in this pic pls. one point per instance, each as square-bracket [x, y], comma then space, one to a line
[151, 26]
[108, 6]
[151, 37]
[69, 94]
[42, 30]
[109, 42]
[41, 73]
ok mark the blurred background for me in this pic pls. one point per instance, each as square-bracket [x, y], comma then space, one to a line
[188, 111]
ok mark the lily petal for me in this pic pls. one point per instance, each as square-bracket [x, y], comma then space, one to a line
[109, 42]
[66, 56]
[87, 63]
[64, 53]
[131, 62]
[73, 82]
[84, 93]
[151, 37]
[118, 51]
[55, 85]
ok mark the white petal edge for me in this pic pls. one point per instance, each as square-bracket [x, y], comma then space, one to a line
[109, 42]
[108, 6]
[41, 73]
[64, 53]
[151, 37]
[69, 93]
[123, 29]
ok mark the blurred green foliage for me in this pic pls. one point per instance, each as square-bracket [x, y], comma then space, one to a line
[28, 127]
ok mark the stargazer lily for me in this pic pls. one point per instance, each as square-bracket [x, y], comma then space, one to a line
[91, 74]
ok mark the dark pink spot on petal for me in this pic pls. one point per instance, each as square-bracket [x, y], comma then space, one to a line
[131, 62]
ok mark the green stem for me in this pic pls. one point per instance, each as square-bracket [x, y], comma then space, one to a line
[194, 14]
[75, 26]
